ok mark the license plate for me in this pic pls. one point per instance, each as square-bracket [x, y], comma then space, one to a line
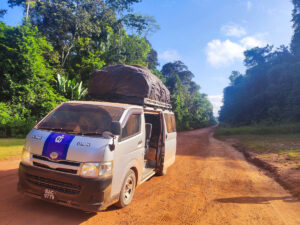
[49, 194]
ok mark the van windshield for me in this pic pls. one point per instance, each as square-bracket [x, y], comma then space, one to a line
[82, 119]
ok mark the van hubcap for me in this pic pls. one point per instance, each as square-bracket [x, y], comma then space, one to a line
[128, 188]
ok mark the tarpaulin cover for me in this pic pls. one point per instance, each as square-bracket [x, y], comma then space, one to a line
[127, 84]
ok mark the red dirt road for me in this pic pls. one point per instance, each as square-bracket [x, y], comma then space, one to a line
[210, 183]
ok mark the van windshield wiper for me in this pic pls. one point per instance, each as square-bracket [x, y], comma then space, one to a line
[56, 129]
[70, 131]
[89, 133]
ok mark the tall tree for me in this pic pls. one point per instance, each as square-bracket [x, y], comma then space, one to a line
[295, 44]
[179, 68]
[192, 109]
[89, 34]
[152, 59]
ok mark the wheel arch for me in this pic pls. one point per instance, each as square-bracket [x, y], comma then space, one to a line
[136, 174]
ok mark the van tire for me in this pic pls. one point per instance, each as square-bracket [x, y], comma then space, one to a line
[127, 190]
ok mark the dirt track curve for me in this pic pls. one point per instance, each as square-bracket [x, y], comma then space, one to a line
[210, 183]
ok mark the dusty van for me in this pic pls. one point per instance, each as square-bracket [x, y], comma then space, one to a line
[92, 154]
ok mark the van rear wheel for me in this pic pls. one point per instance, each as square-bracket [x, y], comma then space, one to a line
[127, 190]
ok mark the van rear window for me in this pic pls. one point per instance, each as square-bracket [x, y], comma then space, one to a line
[82, 119]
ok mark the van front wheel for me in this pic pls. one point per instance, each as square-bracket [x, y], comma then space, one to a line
[127, 190]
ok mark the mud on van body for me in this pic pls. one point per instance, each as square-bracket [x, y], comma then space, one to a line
[90, 155]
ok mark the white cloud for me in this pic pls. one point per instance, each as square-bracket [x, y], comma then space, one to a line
[251, 42]
[233, 30]
[216, 101]
[223, 53]
[169, 55]
[249, 5]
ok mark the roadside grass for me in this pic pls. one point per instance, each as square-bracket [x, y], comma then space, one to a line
[279, 144]
[11, 148]
[289, 128]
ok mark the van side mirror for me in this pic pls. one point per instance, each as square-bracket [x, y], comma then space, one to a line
[116, 128]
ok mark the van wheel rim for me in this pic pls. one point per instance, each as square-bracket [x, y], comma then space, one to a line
[128, 188]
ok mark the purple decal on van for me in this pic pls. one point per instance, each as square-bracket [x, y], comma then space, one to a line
[56, 146]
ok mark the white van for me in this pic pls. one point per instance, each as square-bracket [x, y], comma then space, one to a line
[90, 155]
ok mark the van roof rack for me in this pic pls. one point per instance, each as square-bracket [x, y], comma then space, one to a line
[145, 102]
[156, 104]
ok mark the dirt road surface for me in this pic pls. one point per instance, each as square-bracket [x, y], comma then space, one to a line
[210, 183]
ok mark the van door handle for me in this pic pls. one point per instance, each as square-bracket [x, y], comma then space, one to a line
[166, 136]
[140, 142]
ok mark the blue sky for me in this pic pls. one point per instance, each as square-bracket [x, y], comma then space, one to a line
[210, 36]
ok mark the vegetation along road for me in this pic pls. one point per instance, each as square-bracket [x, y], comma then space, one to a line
[210, 183]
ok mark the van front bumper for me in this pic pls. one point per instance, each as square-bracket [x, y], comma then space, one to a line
[88, 194]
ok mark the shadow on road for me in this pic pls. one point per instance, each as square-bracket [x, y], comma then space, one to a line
[255, 200]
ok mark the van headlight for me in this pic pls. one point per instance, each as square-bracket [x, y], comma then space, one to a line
[25, 158]
[105, 169]
[96, 169]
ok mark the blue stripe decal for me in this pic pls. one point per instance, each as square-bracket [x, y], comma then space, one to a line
[58, 143]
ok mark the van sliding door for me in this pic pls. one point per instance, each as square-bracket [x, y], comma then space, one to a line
[169, 139]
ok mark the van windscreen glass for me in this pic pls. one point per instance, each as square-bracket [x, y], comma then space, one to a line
[83, 119]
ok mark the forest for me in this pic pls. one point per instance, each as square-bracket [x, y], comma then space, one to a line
[50, 57]
[269, 91]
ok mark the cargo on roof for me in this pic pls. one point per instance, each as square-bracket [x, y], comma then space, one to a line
[128, 84]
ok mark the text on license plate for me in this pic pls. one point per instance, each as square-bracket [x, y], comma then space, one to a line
[49, 194]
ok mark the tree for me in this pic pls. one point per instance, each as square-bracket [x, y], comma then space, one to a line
[178, 68]
[152, 59]
[192, 109]
[121, 5]
[295, 43]
[257, 56]
[90, 34]
[269, 90]
[235, 77]
[2, 12]
[267, 93]
[27, 78]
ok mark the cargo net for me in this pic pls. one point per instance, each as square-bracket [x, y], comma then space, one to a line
[129, 84]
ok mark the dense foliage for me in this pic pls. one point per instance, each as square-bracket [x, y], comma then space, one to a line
[50, 57]
[269, 90]
[26, 78]
[192, 109]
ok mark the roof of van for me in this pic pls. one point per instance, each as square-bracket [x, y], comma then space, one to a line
[124, 106]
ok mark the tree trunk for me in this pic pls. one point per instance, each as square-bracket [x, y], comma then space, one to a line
[27, 9]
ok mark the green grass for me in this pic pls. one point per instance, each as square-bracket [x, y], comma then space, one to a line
[259, 130]
[280, 148]
[10, 148]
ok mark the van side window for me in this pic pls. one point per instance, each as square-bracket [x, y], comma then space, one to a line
[173, 121]
[133, 126]
[170, 122]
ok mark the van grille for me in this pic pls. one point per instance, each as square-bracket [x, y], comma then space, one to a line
[61, 166]
[57, 169]
[69, 163]
[56, 185]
